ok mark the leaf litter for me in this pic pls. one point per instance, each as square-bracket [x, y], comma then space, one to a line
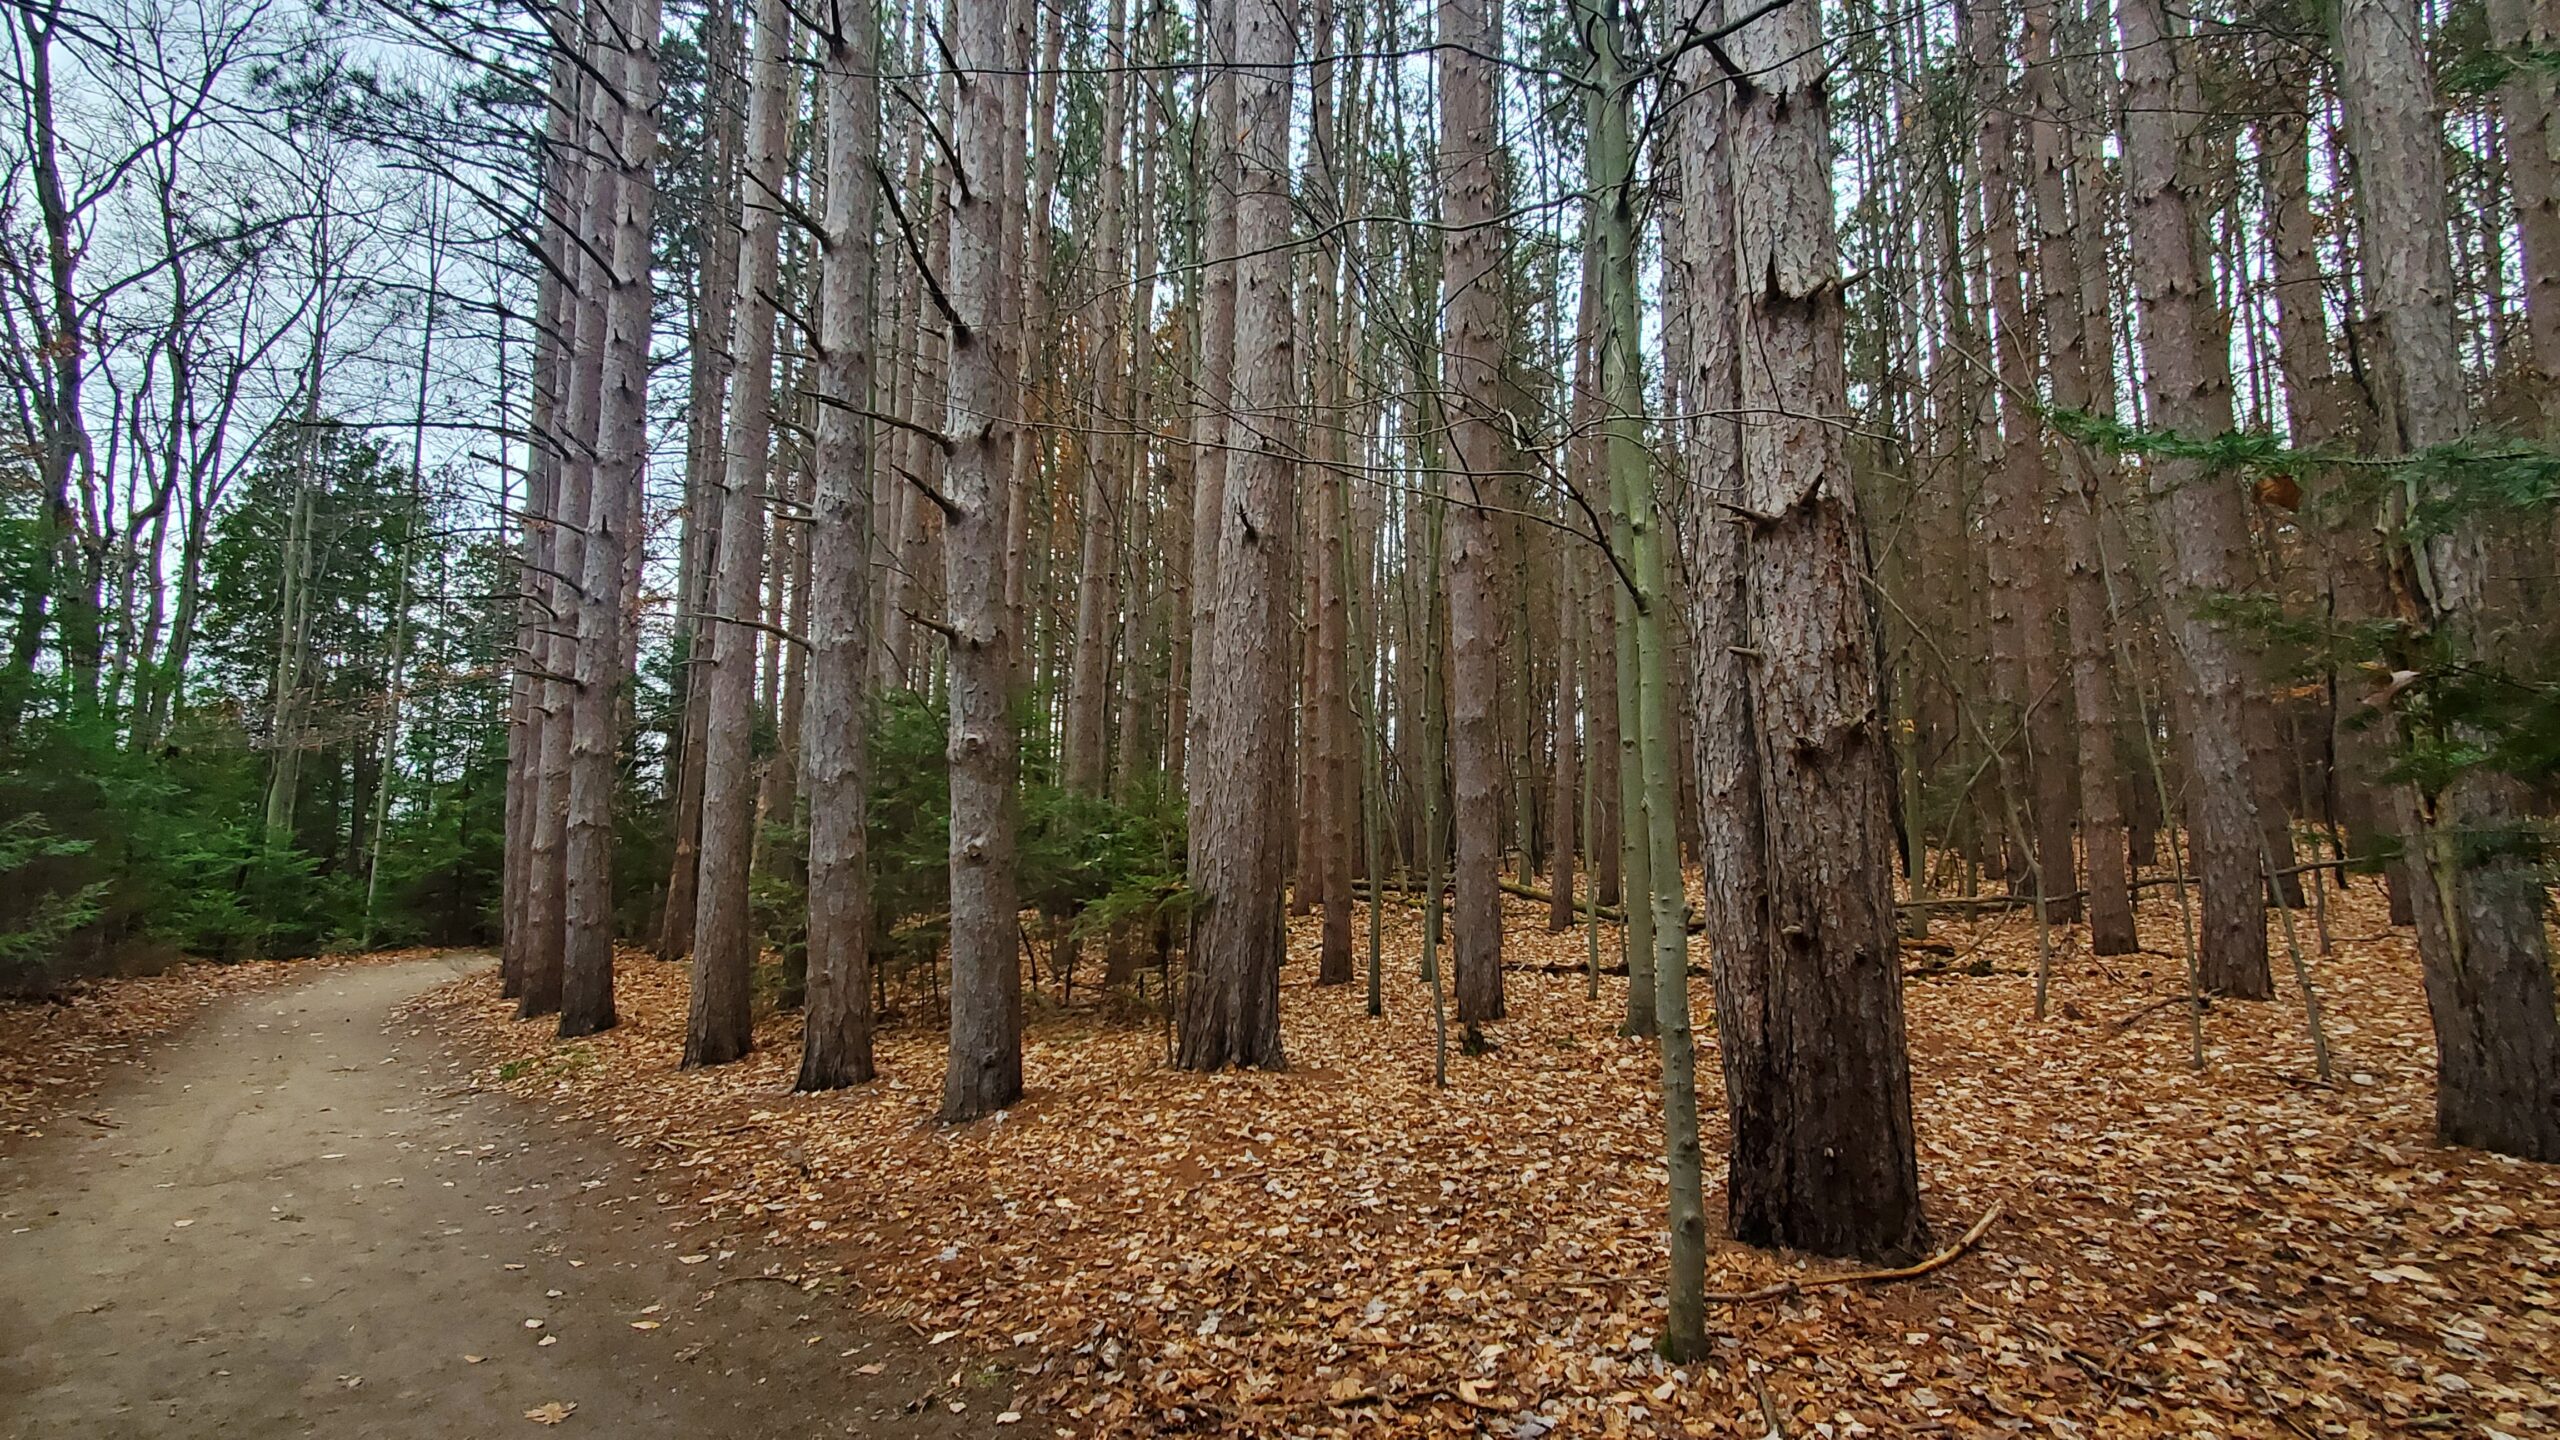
[1341, 1249]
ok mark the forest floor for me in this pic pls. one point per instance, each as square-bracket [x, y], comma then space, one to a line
[302, 1218]
[1342, 1249]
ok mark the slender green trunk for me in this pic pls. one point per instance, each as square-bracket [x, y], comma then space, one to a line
[1639, 520]
[1434, 741]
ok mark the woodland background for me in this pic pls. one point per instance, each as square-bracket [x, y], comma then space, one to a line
[910, 510]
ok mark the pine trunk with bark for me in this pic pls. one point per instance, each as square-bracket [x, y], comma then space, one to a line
[1807, 966]
[2035, 709]
[574, 439]
[2529, 101]
[1212, 396]
[1328, 560]
[835, 1034]
[1471, 306]
[1239, 841]
[716, 292]
[2085, 475]
[983, 1072]
[2479, 899]
[622, 450]
[2202, 516]
[719, 1024]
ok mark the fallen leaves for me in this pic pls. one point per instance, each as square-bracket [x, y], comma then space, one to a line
[1343, 1248]
[551, 1412]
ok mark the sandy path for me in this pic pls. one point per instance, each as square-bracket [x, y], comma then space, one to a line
[302, 1224]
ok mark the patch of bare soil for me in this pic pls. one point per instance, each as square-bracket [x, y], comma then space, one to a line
[303, 1219]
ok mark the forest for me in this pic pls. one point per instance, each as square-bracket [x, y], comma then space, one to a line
[1709, 579]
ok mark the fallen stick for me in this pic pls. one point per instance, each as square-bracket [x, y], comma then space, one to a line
[2145, 1013]
[1784, 1288]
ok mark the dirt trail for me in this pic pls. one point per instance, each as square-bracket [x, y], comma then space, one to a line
[297, 1220]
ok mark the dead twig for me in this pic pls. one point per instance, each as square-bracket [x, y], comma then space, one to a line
[2145, 1013]
[1785, 1288]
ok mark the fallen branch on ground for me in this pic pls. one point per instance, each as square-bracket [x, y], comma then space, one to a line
[2146, 1012]
[1785, 1288]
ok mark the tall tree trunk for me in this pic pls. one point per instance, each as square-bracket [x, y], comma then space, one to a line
[835, 1035]
[716, 243]
[1231, 1008]
[1329, 705]
[2479, 898]
[1584, 466]
[1471, 285]
[532, 562]
[2036, 710]
[622, 451]
[574, 438]
[64, 437]
[2318, 416]
[1139, 752]
[1212, 397]
[294, 578]
[2529, 101]
[1807, 971]
[1619, 447]
[1564, 776]
[1101, 506]
[2059, 231]
[719, 1025]
[2203, 519]
[1027, 260]
[984, 1069]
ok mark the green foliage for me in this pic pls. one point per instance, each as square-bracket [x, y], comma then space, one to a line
[159, 819]
[2256, 452]
[908, 835]
[1092, 866]
[37, 914]
[2460, 698]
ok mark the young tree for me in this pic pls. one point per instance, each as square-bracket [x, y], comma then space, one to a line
[1642, 576]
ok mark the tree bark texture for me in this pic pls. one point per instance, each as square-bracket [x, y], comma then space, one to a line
[622, 451]
[1471, 308]
[1231, 1006]
[2203, 518]
[2479, 902]
[1806, 961]
[2077, 496]
[835, 1035]
[983, 1072]
[719, 1024]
